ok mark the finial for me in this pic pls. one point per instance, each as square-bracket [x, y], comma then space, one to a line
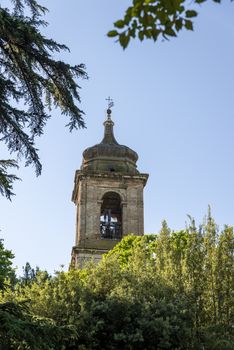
[110, 105]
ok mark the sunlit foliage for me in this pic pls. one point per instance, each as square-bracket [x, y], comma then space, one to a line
[170, 291]
[155, 19]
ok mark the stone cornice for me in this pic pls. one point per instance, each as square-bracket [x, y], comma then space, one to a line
[81, 175]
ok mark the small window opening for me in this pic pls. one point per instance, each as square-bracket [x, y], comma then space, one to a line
[111, 216]
[112, 170]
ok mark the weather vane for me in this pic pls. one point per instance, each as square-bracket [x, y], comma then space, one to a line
[110, 102]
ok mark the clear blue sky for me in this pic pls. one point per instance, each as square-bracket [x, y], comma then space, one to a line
[173, 105]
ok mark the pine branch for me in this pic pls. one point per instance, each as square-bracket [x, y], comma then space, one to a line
[6, 180]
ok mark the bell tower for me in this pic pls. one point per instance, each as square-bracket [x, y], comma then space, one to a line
[108, 194]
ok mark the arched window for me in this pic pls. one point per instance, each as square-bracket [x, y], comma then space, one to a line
[111, 216]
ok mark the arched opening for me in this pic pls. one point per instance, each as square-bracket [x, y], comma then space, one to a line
[111, 216]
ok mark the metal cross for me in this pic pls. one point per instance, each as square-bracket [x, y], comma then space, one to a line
[110, 102]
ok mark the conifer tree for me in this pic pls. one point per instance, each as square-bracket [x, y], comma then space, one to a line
[32, 81]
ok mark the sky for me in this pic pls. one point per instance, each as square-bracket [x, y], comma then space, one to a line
[173, 106]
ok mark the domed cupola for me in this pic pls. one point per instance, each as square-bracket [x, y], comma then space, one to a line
[108, 156]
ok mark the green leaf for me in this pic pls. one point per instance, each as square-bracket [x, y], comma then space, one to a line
[141, 35]
[132, 33]
[112, 33]
[190, 13]
[149, 20]
[178, 24]
[170, 32]
[124, 40]
[127, 19]
[119, 24]
[188, 25]
[155, 33]
[136, 2]
[148, 33]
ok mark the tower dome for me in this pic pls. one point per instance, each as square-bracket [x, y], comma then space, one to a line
[109, 156]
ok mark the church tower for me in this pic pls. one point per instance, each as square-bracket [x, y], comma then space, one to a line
[108, 194]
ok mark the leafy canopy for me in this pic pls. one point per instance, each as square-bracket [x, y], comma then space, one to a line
[6, 270]
[21, 330]
[32, 81]
[168, 291]
[155, 19]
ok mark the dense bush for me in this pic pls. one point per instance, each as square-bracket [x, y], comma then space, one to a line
[173, 290]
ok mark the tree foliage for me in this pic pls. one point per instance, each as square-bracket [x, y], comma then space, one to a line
[197, 263]
[6, 269]
[6, 179]
[155, 19]
[21, 330]
[169, 291]
[32, 81]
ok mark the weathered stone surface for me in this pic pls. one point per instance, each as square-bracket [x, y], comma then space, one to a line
[107, 168]
[83, 256]
[109, 156]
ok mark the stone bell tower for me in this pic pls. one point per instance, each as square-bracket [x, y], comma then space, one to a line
[108, 194]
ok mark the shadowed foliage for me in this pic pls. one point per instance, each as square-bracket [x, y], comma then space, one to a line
[32, 81]
[168, 291]
[155, 19]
